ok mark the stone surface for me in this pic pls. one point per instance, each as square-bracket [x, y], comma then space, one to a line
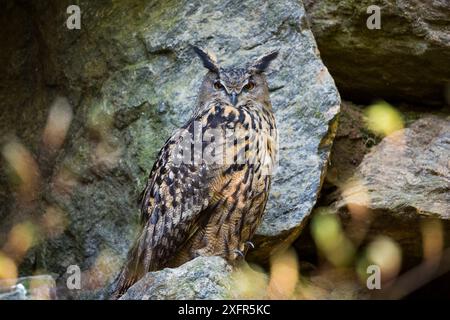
[353, 140]
[204, 278]
[414, 39]
[391, 187]
[40, 287]
[17, 292]
[408, 170]
[131, 78]
[401, 186]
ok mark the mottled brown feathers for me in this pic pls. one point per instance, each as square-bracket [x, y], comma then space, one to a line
[208, 188]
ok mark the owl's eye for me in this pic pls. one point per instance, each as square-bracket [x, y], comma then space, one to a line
[249, 86]
[217, 85]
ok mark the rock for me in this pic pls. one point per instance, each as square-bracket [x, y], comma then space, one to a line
[204, 278]
[408, 170]
[40, 287]
[401, 185]
[333, 285]
[17, 292]
[131, 77]
[353, 140]
[414, 39]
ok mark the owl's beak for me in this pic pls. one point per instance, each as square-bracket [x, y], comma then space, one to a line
[233, 98]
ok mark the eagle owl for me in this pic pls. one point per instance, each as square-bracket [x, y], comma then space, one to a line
[208, 188]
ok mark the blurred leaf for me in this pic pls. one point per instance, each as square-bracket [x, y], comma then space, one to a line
[330, 238]
[383, 119]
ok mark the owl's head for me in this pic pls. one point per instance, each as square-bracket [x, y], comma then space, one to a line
[235, 85]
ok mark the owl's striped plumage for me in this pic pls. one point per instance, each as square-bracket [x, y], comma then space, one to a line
[208, 188]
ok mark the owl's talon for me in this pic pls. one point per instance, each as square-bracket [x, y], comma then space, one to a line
[239, 253]
[250, 244]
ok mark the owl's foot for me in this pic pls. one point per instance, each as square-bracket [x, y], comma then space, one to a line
[250, 244]
[239, 253]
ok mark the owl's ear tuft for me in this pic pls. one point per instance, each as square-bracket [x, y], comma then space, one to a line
[262, 63]
[208, 59]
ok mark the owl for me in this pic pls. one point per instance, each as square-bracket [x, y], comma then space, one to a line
[208, 188]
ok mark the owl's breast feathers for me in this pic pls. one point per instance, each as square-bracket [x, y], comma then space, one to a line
[207, 190]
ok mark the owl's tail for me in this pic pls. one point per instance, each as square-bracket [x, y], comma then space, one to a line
[119, 286]
[128, 276]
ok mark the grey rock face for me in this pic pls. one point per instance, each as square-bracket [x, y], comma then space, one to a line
[16, 292]
[40, 287]
[204, 278]
[409, 169]
[414, 39]
[401, 185]
[131, 77]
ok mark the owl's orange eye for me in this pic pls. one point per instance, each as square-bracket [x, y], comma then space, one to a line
[217, 85]
[249, 86]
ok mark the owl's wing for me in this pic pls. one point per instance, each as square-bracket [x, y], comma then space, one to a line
[180, 190]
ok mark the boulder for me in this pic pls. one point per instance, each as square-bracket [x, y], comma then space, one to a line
[414, 39]
[408, 170]
[130, 77]
[204, 278]
[353, 140]
[41, 287]
[401, 188]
